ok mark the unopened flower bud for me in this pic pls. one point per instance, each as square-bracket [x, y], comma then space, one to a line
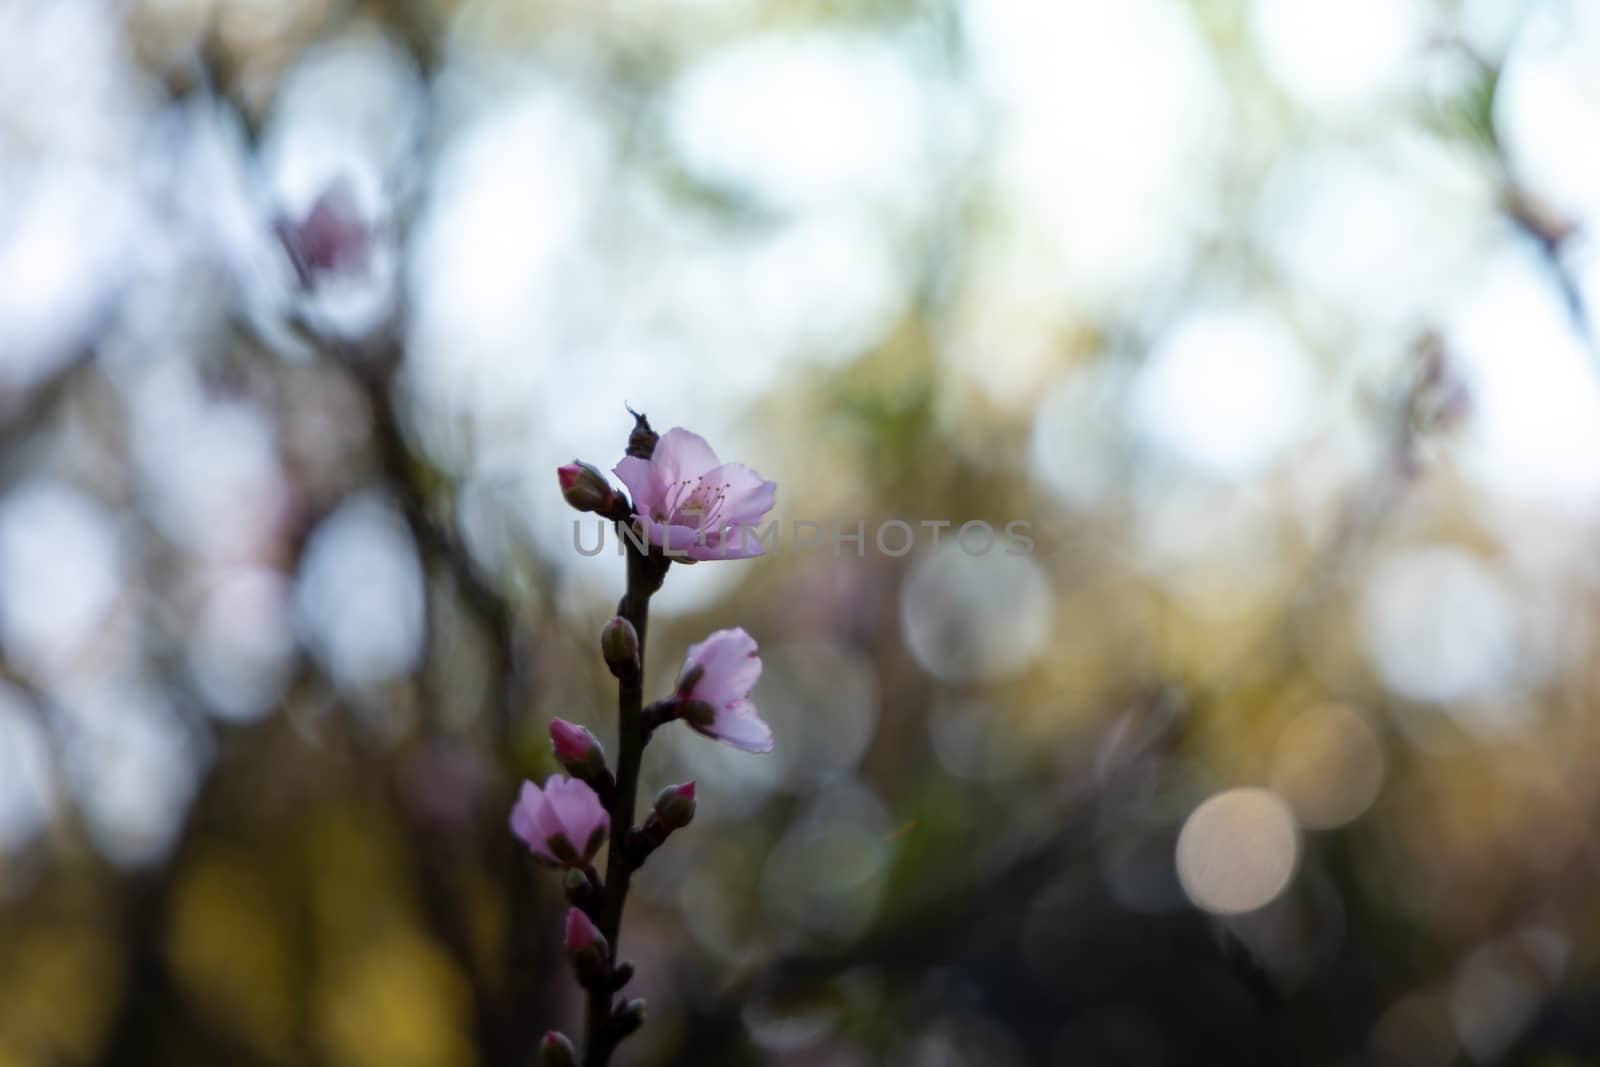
[619, 643]
[621, 974]
[578, 750]
[584, 487]
[577, 886]
[629, 1017]
[674, 806]
[586, 946]
[556, 1051]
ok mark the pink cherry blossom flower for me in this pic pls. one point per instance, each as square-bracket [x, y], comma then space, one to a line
[691, 503]
[720, 672]
[564, 823]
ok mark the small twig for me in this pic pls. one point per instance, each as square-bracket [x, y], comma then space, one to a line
[646, 570]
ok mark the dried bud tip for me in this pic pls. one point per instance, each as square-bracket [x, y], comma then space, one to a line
[642, 441]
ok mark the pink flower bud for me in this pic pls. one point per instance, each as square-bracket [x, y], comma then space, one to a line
[555, 1050]
[718, 674]
[587, 948]
[582, 933]
[674, 806]
[584, 487]
[581, 755]
[573, 744]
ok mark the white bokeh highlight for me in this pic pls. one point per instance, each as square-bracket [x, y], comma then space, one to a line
[1441, 627]
[60, 573]
[1337, 57]
[241, 646]
[971, 617]
[27, 776]
[359, 599]
[1238, 851]
[1227, 390]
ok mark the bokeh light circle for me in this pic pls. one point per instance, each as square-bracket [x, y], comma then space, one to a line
[975, 617]
[1328, 765]
[1238, 851]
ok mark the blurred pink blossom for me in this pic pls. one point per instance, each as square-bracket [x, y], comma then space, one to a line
[332, 238]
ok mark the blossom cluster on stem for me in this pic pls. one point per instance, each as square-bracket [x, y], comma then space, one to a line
[690, 507]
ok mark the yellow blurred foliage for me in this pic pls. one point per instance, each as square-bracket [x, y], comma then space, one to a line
[230, 949]
[56, 994]
[398, 1003]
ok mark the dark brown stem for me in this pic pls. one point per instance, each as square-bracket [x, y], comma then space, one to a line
[645, 573]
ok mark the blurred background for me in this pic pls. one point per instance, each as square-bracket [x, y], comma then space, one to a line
[1272, 318]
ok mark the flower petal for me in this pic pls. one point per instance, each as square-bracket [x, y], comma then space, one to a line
[681, 455]
[743, 495]
[721, 649]
[524, 821]
[741, 727]
[546, 816]
[736, 543]
[644, 483]
[730, 666]
[577, 807]
[681, 540]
